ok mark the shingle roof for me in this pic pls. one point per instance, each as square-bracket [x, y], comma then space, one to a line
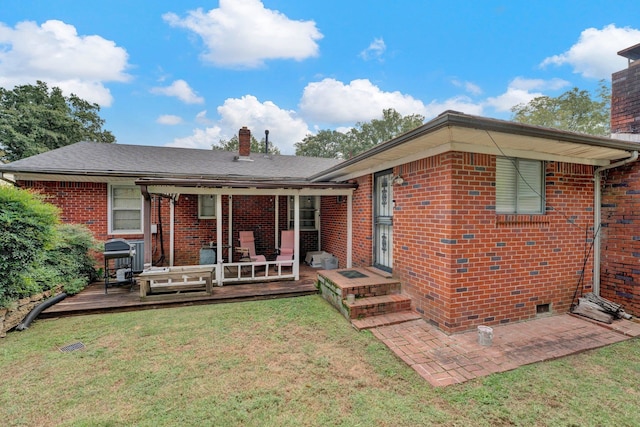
[92, 158]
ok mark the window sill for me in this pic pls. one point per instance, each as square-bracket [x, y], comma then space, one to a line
[507, 220]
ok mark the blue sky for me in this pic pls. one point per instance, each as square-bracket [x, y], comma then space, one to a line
[190, 73]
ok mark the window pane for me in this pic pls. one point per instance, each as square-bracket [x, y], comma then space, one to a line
[519, 186]
[127, 198]
[126, 208]
[530, 186]
[126, 220]
[207, 206]
[307, 212]
[505, 185]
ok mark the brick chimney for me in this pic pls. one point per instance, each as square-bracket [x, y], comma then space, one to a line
[244, 142]
[625, 97]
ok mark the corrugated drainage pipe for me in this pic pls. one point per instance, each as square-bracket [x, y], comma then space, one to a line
[38, 309]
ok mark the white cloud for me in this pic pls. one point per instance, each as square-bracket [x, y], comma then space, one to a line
[243, 33]
[324, 101]
[521, 91]
[595, 53]
[375, 50]
[284, 127]
[202, 118]
[201, 138]
[168, 119]
[469, 87]
[54, 53]
[181, 90]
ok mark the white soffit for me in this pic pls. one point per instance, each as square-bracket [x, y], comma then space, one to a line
[464, 139]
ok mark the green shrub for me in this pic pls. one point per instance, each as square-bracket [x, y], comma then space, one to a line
[70, 257]
[27, 228]
[38, 253]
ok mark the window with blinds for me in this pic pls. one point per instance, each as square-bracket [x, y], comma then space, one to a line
[125, 209]
[519, 186]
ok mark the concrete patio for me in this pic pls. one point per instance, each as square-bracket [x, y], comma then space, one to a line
[445, 359]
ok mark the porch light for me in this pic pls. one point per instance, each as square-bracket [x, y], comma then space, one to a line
[397, 180]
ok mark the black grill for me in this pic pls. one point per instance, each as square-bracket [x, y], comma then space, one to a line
[118, 249]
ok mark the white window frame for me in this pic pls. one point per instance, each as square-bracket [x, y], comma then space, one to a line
[201, 206]
[110, 210]
[522, 187]
[312, 208]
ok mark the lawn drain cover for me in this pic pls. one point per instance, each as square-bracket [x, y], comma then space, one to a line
[72, 347]
[352, 274]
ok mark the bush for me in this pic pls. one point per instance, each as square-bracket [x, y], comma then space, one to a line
[70, 257]
[27, 229]
[38, 253]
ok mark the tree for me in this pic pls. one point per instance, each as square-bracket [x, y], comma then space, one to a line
[363, 136]
[233, 145]
[326, 143]
[574, 110]
[34, 119]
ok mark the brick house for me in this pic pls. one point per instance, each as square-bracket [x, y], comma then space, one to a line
[483, 221]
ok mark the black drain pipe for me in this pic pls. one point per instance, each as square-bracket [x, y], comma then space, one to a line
[38, 309]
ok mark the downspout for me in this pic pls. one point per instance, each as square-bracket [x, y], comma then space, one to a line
[597, 216]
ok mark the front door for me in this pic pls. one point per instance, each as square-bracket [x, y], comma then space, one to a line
[383, 220]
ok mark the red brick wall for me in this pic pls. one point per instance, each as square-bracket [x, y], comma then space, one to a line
[464, 265]
[333, 214]
[620, 237]
[334, 225]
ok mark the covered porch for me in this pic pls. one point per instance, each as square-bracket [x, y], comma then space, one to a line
[268, 207]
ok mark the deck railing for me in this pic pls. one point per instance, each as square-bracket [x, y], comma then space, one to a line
[253, 271]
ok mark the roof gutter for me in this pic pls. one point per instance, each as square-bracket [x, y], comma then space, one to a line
[597, 214]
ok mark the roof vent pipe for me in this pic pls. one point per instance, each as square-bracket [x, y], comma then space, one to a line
[266, 141]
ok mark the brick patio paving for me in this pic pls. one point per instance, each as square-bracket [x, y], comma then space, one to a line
[445, 359]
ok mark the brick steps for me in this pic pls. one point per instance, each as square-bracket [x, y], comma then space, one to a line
[385, 320]
[378, 305]
[377, 297]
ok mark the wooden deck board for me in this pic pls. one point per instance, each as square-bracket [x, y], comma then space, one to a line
[122, 298]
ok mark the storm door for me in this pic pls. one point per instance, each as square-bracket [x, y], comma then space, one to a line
[383, 220]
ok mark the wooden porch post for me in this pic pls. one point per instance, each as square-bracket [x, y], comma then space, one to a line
[219, 239]
[172, 217]
[349, 229]
[296, 240]
[146, 226]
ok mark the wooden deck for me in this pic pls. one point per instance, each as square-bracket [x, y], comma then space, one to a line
[121, 298]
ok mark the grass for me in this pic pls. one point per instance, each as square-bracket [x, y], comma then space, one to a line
[286, 362]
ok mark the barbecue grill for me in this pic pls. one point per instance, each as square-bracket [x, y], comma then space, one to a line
[123, 252]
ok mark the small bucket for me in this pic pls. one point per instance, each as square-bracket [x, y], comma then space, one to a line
[485, 335]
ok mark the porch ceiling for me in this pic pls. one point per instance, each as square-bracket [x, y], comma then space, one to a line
[459, 132]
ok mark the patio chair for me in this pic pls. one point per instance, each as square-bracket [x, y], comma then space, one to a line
[285, 251]
[248, 247]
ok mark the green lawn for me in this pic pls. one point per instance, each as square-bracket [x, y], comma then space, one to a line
[287, 362]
